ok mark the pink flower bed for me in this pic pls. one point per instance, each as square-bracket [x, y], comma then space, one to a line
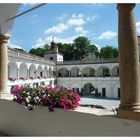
[32, 97]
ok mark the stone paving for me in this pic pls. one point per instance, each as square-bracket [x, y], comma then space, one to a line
[107, 103]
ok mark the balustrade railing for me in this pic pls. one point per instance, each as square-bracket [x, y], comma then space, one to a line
[23, 55]
[95, 61]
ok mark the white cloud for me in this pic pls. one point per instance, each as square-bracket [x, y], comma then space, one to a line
[138, 26]
[75, 21]
[80, 30]
[59, 28]
[65, 40]
[34, 16]
[107, 35]
[62, 17]
[42, 41]
[77, 16]
[12, 45]
[90, 19]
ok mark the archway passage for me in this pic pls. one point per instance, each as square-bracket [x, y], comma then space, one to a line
[23, 73]
[103, 71]
[88, 89]
[45, 73]
[88, 72]
[39, 72]
[12, 71]
[115, 71]
[74, 72]
[32, 71]
[63, 72]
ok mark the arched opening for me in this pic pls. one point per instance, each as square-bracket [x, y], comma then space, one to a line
[50, 72]
[32, 71]
[39, 72]
[45, 72]
[88, 72]
[23, 71]
[115, 71]
[12, 71]
[75, 72]
[103, 71]
[88, 89]
[63, 72]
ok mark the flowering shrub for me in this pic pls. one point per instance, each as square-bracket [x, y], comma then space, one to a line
[32, 97]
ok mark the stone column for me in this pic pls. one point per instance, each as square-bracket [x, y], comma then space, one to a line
[27, 74]
[3, 64]
[17, 74]
[35, 74]
[128, 63]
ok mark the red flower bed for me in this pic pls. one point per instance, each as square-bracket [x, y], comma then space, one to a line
[32, 97]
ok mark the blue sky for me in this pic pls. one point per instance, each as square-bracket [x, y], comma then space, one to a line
[97, 22]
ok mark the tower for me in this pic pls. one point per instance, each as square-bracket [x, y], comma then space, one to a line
[53, 47]
[53, 53]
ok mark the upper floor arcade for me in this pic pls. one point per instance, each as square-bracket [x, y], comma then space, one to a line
[24, 66]
[88, 70]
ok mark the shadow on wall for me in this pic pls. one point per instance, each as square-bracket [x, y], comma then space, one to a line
[15, 120]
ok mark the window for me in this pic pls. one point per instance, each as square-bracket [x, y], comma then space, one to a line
[119, 95]
[51, 58]
[104, 92]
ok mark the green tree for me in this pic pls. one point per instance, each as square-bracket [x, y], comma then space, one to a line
[21, 50]
[108, 52]
[66, 50]
[46, 47]
[93, 49]
[38, 51]
[115, 52]
[80, 47]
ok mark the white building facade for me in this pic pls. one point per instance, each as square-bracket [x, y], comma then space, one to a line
[100, 78]
[94, 77]
[28, 69]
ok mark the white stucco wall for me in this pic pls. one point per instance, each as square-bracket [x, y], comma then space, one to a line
[111, 84]
[59, 58]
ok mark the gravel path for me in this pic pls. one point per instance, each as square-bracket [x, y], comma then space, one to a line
[95, 111]
[107, 103]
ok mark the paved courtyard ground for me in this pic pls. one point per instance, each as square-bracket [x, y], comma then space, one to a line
[107, 103]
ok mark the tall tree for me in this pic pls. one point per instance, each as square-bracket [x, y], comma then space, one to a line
[93, 49]
[66, 50]
[19, 49]
[40, 51]
[115, 52]
[108, 52]
[80, 47]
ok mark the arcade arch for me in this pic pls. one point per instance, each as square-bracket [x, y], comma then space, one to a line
[39, 72]
[63, 72]
[12, 70]
[45, 72]
[103, 71]
[75, 72]
[23, 71]
[88, 72]
[88, 89]
[32, 71]
[115, 71]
